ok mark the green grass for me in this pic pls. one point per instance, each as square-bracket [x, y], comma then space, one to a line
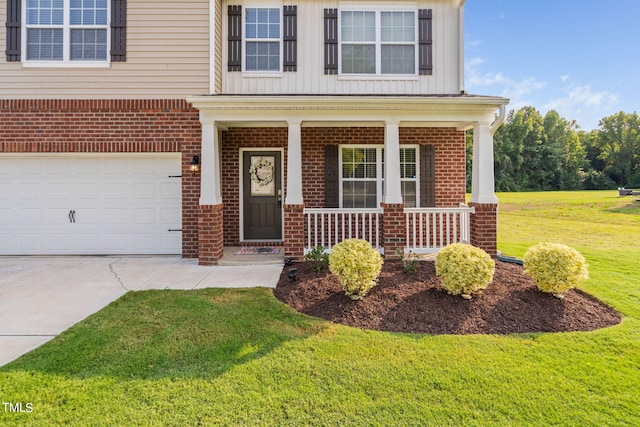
[239, 357]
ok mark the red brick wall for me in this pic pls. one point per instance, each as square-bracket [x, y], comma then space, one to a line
[484, 227]
[294, 231]
[394, 229]
[110, 126]
[210, 243]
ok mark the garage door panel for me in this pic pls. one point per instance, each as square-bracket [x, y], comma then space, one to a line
[124, 204]
[58, 166]
[144, 216]
[30, 216]
[29, 191]
[145, 190]
[88, 191]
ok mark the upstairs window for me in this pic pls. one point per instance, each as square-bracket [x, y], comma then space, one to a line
[378, 42]
[67, 30]
[262, 39]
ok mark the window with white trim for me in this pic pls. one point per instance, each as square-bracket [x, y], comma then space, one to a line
[66, 30]
[378, 42]
[262, 39]
[362, 176]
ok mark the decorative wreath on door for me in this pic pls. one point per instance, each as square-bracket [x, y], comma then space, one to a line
[261, 172]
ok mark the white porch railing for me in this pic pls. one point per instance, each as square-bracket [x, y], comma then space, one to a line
[430, 229]
[330, 226]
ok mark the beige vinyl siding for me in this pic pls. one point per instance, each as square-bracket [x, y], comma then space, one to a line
[167, 57]
[310, 77]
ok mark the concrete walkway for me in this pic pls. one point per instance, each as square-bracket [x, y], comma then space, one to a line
[40, 297]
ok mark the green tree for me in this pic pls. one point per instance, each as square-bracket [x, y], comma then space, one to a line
[619, 141]
[562, 154]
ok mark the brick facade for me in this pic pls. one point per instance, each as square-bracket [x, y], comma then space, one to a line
[294, 231]
[110, 126]
[484, 227]
[394, 229]
[210, 226]
[131, 126]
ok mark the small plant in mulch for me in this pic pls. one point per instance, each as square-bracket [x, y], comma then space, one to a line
[357, 266]
[318, 259]
[555, 267]
[409, 262]
[464, 269]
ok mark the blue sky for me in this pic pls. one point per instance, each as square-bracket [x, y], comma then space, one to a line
[578, 57]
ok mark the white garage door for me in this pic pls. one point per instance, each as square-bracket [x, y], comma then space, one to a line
[90, 204]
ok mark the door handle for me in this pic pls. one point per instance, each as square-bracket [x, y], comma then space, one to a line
[279, 202]
[72, 216]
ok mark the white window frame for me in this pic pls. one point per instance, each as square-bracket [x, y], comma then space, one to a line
[66, 38]
[262, 73]
[378, 42]
[379, 172]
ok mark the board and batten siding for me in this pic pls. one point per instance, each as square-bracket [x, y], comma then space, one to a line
[310, 78]
[167, 57]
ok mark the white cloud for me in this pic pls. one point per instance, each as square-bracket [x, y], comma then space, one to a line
[499, 84]
[579, 102]
[584, 104]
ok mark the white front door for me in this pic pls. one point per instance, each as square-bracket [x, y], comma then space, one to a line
[90, 204]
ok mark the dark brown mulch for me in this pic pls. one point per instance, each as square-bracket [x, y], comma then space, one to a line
[416, 303]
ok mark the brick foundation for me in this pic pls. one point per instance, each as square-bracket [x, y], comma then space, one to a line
[294, 231]
[210, 237]
[484, 227]
[394, 229]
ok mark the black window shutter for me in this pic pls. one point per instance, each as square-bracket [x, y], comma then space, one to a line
[13, 50]
[290, 37]
[427, 176]
[331, 177]
[331, 41]
[118, 30]
[425, 42]
[235, 38]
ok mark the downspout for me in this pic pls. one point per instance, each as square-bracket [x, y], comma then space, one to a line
[499, 120]
[461, 49]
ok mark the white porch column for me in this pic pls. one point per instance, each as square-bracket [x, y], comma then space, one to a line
[483, 179]
[294, 165]
[392, 187]
[210, 193]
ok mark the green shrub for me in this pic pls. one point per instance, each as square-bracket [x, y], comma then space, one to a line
[318, 259]
[555, 267]
[464, 269]
[357, 266]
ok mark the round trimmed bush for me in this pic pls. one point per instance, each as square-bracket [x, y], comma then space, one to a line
[357, 266]
[555, 267]
[464, 269]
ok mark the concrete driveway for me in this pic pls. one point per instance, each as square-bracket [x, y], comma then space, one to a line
[40, 297]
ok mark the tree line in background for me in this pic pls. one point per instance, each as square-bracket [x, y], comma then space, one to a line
[540, 153]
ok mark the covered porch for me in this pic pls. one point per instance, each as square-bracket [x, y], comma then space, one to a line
[390, 225]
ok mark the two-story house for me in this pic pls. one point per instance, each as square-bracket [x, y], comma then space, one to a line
[161, 127]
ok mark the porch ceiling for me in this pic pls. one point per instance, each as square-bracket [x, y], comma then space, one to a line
[459, 111]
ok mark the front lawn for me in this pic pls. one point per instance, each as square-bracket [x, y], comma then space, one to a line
[240, 357]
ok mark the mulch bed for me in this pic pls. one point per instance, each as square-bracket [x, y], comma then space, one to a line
[416, 303]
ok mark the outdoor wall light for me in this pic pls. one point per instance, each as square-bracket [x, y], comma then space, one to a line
[195, 164]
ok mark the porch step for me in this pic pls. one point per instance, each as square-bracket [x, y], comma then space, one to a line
[230, 258]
